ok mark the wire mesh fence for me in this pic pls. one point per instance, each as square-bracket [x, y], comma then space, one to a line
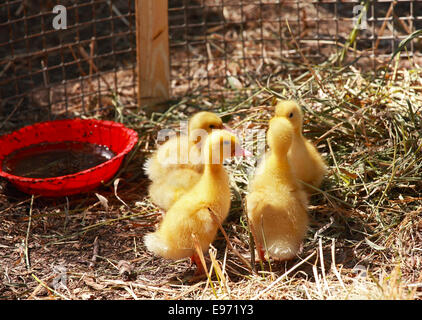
[215, 46]
[47, 72]
[219, 44]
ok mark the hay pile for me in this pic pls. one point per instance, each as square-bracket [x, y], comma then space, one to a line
[365, 238]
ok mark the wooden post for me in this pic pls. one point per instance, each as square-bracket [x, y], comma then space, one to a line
[152, 51]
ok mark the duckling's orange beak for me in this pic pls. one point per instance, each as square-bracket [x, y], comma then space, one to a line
[227, 128]
[246, 153]
[199, 267]
[240, 152]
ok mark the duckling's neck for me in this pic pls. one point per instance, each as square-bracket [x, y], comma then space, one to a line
[279, 166]
[297, 132]
[297, 137]
[298, 140]
[193, 139]
[213, 171]
[279, 160]
[215, 180]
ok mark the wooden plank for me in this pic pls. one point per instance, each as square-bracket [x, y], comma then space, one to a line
[152, 51]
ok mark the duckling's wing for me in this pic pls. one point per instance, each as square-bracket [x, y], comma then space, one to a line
[147, 166]
[168, 153]
[167, 189]
[256, 203]
[301, 196]
[161, 159]
[320, 168]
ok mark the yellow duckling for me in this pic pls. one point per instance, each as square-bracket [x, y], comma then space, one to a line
[176, 165]
[307, 164]
[189, 216]
[276, 204]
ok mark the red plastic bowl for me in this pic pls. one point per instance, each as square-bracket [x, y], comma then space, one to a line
[115, 136]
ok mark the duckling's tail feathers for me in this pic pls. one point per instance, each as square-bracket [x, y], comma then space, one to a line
[155, 244]
[255, 202]
[282, 250]
[147, 167]
[161, 246]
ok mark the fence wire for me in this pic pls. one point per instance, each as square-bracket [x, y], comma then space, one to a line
[215, 46]
[48, 73]
[218, 44]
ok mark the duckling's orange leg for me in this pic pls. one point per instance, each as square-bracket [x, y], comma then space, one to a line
[199, 267]
[261, 253]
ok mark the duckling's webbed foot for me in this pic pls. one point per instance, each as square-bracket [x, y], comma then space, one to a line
[199, 267]
[261, 254]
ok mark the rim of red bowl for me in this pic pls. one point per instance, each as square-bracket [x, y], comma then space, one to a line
[133, 139]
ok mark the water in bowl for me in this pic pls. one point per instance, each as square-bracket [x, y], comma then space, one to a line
[48, 160]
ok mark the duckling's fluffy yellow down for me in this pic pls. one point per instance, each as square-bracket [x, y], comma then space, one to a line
[176, 165]
[190, 215]
[276, 204]
[306, 162]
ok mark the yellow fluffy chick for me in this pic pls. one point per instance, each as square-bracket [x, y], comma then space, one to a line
[307, 164]
[276, 204]
[189, 217]
[176, 165]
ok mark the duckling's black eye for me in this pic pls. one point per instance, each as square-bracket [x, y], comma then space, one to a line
[291, 115]
[212, 126]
